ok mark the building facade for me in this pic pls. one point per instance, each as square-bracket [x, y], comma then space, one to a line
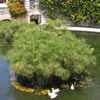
[33, 12]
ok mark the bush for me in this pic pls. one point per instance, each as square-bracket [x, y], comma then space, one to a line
[75, 10]
[44, 52]
[17, 8]
[8, 30]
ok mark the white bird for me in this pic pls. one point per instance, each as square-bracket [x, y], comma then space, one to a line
[72, 87]
[55, 90]
[52, 95]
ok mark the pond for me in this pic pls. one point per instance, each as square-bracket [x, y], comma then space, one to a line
[90, 92]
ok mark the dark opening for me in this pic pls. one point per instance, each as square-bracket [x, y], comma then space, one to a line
[35, 20]
[6, 20]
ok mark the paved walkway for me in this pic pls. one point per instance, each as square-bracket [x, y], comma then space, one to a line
[82, 29]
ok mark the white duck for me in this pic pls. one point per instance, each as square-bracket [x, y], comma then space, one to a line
[72, 87]
[52, 94]
[55, 90]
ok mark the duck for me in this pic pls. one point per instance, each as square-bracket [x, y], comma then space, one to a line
[72, 87]
[55, 90]
[52, 94]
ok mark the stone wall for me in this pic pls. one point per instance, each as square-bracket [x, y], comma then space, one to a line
[21, 19]
[4, 13]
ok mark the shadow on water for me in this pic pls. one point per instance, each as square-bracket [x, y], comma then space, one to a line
[91, 92]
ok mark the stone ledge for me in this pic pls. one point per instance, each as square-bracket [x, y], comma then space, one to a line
[3, 5]
[80, 29]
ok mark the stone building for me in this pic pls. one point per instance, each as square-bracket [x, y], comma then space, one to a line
[33, 12]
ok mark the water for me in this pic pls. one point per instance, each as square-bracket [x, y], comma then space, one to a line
[91, 92]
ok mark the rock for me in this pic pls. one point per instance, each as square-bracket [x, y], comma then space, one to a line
[84, 83]
[81, 86]
[65, 86]
[18, 86]
[44, 92]
[29, 90]
[88, 79]
[88, 73]
[38, 93]
[78, 86]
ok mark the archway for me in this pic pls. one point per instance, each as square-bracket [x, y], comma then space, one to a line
[5, 20]
[35, 18]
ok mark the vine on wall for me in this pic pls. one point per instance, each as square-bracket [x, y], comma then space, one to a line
[76, 10]
[17, 8]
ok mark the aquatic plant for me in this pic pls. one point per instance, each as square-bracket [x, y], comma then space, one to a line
[7, 30]
[41, 52]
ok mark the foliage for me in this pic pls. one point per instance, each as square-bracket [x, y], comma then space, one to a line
[17, 8]
[8, 29]
[75, 10]
[42, 51]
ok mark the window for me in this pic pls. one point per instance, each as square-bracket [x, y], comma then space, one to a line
[2, 1]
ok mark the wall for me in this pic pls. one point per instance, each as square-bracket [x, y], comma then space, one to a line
[4, 12]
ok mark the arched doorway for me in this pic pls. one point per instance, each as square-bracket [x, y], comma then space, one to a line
[36, 18]
[5, 20]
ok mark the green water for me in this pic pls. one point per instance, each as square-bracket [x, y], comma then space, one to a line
[91, 92]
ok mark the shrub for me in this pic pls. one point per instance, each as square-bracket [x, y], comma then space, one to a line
[39, 51]
[17, 8]
[8, 30]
